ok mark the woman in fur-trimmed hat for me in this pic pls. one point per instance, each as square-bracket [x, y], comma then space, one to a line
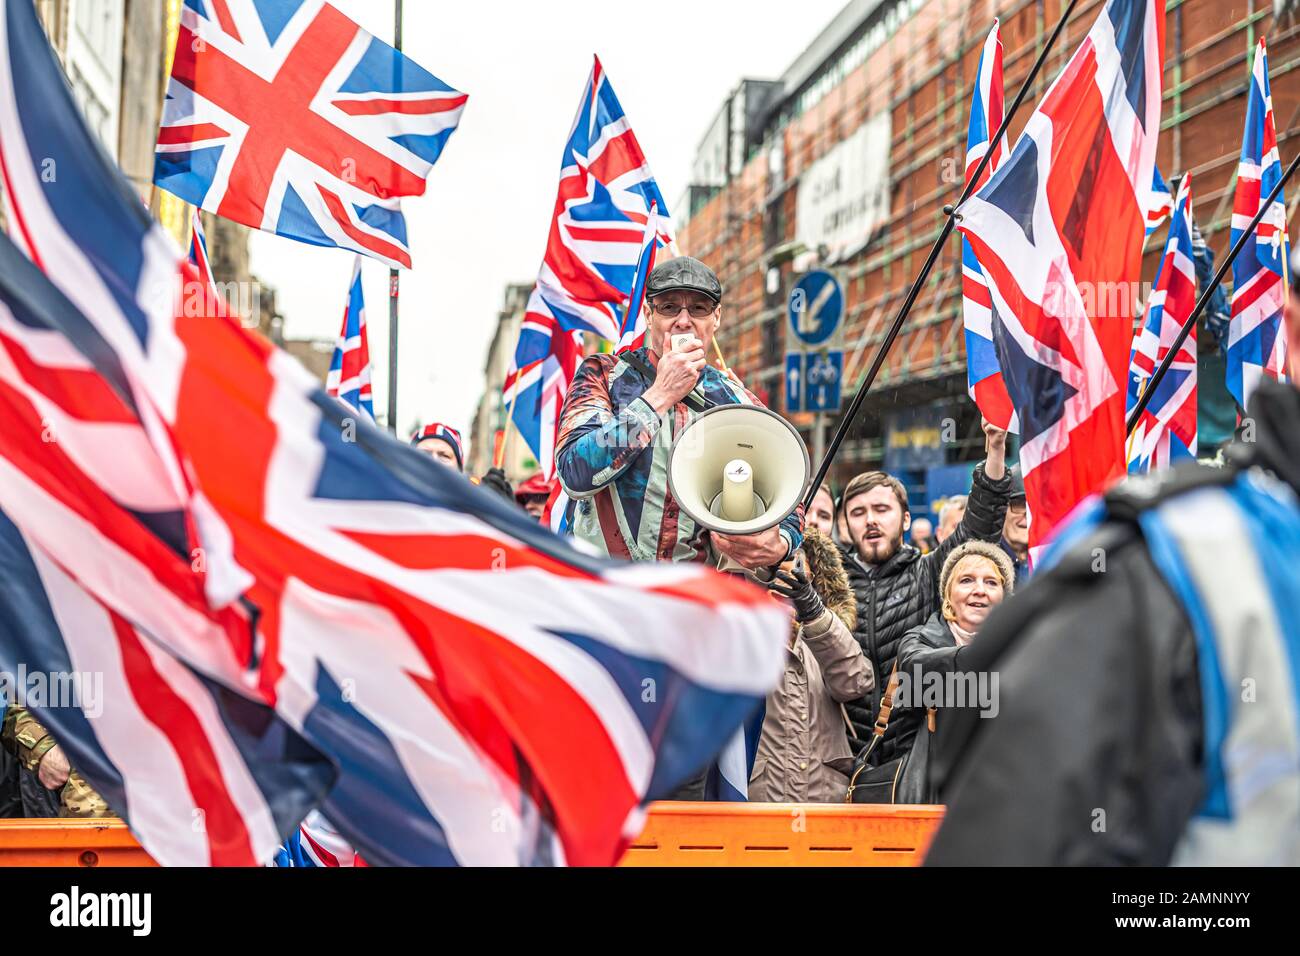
[803, 752]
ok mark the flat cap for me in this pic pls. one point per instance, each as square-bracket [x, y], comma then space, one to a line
[684, 273]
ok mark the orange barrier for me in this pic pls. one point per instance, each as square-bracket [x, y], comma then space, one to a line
[783, 834]
[675, 834]
[101, 842]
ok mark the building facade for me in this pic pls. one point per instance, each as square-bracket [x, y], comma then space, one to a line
[143, 41]
[862, 146]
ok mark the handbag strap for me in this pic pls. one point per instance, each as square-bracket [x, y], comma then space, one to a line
[886, 703]
[877, 731]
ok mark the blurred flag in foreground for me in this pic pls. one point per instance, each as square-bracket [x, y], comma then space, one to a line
[484, 693]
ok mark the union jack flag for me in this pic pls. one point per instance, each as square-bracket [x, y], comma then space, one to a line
[601, 211]
[1063, 217]
[1256, 340]
[317, 843]
[400, 621]
[983, 374]
[1160, 202]
[632, 331]
[1166, 432]
[149, 730]
[199, 250]
[558, 515]
[607, 200]
[201, 296]
[535, 390]
[286, 116]
[349, 375]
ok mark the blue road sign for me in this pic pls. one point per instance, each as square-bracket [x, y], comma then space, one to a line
[793, 382]
[816, 307]
[822, 374]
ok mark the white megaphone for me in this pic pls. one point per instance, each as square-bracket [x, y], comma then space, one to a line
[738, 469]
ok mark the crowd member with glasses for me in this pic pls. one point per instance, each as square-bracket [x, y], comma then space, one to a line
[1015, 528]
[616, 431]
[620, 417]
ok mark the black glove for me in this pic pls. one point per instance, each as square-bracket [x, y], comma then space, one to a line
[795, 586]
[497, 481]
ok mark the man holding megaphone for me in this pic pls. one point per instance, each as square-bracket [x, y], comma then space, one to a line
[621, 416]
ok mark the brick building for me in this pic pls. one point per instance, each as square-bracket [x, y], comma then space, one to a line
[865, 135]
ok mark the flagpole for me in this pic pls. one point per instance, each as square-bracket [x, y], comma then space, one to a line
[505, 429]
[1247, 235]
[1128, 449]
[394, 283]
[914, 292]
[722, 361]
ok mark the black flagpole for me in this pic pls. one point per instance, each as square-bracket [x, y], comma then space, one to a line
[393, 282]
[1247, 236]
[951, 211]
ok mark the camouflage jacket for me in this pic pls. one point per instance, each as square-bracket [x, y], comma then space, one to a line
[25, 737]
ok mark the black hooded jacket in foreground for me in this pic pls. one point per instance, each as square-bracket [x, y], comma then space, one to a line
[1095, 755]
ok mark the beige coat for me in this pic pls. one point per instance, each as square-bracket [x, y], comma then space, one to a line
[803, 752]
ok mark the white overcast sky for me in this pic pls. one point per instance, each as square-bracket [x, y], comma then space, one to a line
[483, 220]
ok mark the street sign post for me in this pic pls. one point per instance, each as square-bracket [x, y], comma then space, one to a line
[816, 307]
[793, 382]
[822, 374]
[812, 374]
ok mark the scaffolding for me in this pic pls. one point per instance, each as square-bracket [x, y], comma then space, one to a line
[922, 75]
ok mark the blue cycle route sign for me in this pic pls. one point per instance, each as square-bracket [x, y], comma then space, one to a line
[822, 374]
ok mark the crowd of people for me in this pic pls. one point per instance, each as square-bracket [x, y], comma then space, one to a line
[859, 591]
[884, 607]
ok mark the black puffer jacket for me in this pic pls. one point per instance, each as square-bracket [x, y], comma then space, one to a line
[926, 650]
[902, 593]
[1100, 693]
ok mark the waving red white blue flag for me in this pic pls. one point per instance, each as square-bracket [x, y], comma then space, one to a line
[983, 374]
[402, 622]
[1159, 203]
[632, 331]
[317, 843]
[148, 729]
[598, 228]
[286, 116]
[1256, 341]
[1166, 432]
[199, 249]
[534, 391]
[1057, 228]
[348, 378]
[607, 202]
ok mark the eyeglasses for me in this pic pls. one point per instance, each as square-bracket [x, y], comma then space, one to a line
[670, 310]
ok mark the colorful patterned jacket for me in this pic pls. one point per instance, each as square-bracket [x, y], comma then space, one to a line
[612, 459]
